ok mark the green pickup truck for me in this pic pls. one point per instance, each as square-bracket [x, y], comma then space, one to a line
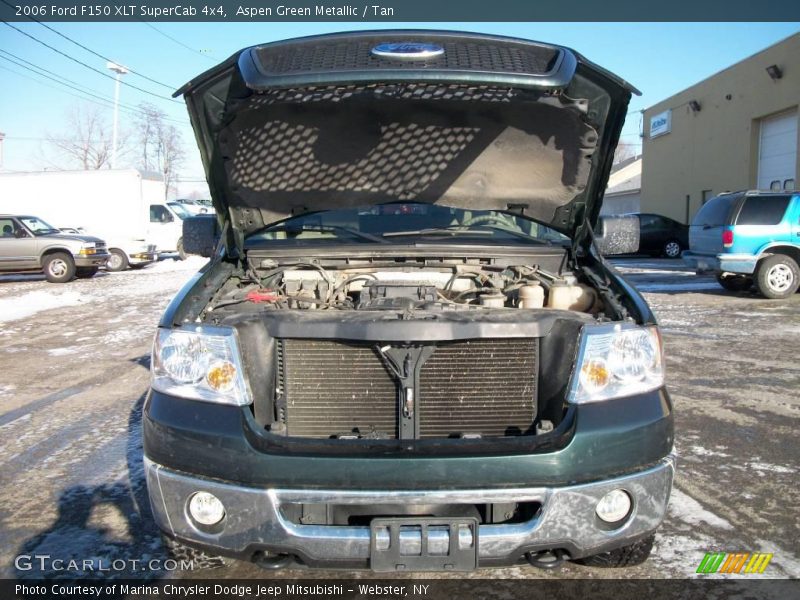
[406, 352]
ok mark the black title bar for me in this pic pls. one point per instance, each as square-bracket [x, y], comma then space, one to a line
[399, 10]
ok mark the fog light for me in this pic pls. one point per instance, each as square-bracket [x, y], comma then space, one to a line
[206, 508]
[614, 506]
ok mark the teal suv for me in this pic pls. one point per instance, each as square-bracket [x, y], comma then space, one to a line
[749, 239]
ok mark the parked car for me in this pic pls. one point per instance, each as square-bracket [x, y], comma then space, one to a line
[29, 244]
[660, 235]
[195, 207]
[180, 210]
[399, 357]
[748, 238]
[111, 204]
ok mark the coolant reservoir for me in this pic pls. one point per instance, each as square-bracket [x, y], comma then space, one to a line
[496, 300]
[566, 296]
[531, 296]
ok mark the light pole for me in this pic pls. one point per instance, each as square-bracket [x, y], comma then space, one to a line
[120, 71]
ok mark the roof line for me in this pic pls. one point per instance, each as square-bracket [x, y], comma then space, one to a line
[728, 68]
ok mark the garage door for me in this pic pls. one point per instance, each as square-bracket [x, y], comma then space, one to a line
[777, 153]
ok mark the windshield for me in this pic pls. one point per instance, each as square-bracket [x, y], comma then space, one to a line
[37, 226]
[179, 210]
[401, 223]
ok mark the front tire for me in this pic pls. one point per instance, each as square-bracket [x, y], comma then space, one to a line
[672, 249]
[777, 277]
[85, 272]
[58, 267]
[627, 556]
[734, 283]
[118, 261]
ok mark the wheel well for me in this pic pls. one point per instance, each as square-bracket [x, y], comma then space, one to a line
[55, 250]
[790, 251]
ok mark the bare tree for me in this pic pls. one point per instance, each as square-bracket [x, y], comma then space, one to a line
[625, 150]
[160, 144]
[86, 143]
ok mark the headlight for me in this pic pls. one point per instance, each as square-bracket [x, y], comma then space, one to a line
[617, 360]
[201, 363]
[87, 248]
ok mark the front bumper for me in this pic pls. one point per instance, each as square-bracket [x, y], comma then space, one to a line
[91, 260]
[721, 263]
[255, 522]
[143, 258]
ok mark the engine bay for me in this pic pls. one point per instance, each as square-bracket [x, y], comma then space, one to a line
[401, 285]
[407, 346]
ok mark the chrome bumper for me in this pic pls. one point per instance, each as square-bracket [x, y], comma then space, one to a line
[142, 258]
[91, 260]
[721, 263]
[254, 519]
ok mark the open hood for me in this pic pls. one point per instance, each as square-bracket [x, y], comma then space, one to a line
[461, 120]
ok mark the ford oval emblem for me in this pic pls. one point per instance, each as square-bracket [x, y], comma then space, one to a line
[408, 50]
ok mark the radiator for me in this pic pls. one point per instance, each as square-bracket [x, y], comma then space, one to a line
[334, 389]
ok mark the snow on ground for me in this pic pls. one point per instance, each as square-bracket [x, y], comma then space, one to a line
[761, 467]
[691, 511]
[16, 306]
[192, 263]
[20, 307]
[64, 351]
[678, 287]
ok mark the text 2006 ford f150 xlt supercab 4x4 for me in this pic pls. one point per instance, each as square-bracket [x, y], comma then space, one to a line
[406, 352]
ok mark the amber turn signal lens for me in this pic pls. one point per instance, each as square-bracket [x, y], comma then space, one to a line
[595, 375]
[221, 376]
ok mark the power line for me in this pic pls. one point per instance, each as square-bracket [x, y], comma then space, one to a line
[177, 41]
[73, 59]
[90, 51]
[18, 74]
[44, 139]
[104, 102]
[33, 68]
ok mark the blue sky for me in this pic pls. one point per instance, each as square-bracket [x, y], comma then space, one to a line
[658, 58]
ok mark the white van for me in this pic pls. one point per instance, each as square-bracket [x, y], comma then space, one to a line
[124, 207]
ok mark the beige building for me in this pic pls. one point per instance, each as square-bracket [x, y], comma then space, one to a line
[623, 193]
[735, 130]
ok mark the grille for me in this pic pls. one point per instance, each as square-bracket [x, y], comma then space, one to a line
[460, 54]
[479, 386]
[333, 388]
[485, 387]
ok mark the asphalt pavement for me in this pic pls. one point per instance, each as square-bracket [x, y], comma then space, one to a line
[74, 365]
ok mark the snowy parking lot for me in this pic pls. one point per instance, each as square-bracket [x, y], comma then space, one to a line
[74, 360]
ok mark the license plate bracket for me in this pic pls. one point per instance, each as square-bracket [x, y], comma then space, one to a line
[423, 544]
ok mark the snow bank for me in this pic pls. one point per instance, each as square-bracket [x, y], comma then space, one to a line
[20, 307]
[192, 263]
